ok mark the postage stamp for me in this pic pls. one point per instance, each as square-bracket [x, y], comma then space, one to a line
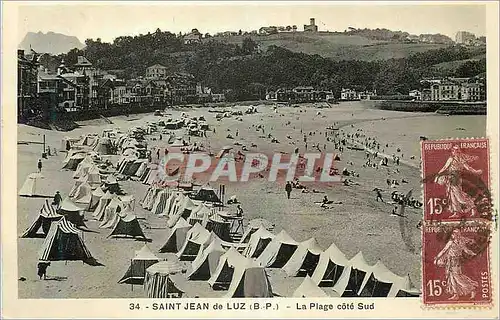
[456, 263]
[456, 179]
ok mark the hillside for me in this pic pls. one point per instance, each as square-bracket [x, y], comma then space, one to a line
[336, 46]
[452, 66]
[50, 42]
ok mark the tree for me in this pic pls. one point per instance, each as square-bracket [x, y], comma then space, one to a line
[248, 46]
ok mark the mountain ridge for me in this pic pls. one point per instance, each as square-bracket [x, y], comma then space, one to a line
[50, 42]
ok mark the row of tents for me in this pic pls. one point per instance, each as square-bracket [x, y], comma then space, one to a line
[329, 268]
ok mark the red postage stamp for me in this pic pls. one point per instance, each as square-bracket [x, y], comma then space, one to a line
[455, 263]
[456, 179]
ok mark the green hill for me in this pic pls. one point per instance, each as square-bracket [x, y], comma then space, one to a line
[452, 66]
[336, 46]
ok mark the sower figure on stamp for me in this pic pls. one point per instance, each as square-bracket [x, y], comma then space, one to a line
[452, 258]
[450, 176]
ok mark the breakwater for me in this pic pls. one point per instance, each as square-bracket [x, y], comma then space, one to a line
[443, 107]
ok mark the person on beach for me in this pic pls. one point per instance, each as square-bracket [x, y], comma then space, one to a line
[239, 211]
[379, 195]
[57, 199]
[324, 202]
[39, 165]
[42, 269]
[394, 211]
[288, 189]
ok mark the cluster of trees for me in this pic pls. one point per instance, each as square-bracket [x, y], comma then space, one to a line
[399, 36]
[243, 72]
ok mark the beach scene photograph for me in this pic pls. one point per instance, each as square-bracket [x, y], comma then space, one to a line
[210, 150]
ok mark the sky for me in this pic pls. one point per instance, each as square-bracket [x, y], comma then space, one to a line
[110, 20]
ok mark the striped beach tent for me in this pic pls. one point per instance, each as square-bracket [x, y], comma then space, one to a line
[44, 220]
[63, 242]
[165, 280]
[160, 202]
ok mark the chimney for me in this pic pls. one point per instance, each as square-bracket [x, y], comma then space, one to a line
[312, 21]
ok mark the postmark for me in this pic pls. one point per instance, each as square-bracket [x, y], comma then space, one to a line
[456, 263]
[456, 179]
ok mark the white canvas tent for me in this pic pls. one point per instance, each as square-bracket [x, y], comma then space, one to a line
[103, 203]
[206, 262]
[73, 158]
[83, 194]
[381, 282]
[309, 289]
[83, 167]
[207, 193]
[78, 182]
[352, 277]
[249, 280]
[200, 214]
[114, 209]
[149, 198]
[222, 276]
[104, 146]
[177, 237]
[93, 176]
[196, 237]
[304, 260]
[259, 240]
[95, 197]
[136, 272]
[330, 267]
[253, 226]
[33, 186]
[128, 201]
[127, 226]
[278, 252]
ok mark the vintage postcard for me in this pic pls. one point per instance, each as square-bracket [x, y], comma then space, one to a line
[249, 159]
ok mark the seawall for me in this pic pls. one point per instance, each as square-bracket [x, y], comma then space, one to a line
[444, 107]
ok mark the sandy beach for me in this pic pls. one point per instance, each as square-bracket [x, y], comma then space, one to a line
[360, 223]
